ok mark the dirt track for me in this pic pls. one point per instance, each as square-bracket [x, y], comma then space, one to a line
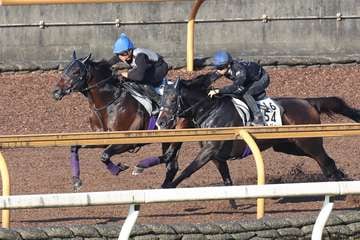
[27, 107]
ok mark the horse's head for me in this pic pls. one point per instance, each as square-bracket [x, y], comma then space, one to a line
[73, 78]
[170, 105]
[184, 99]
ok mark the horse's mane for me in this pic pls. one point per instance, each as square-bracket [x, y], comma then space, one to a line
[201, 83]
[196, 88]
[103, 67]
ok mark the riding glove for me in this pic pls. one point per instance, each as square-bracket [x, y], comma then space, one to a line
[213, 92]
[240, 90]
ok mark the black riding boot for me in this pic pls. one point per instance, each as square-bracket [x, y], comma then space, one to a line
[154, 97]
[258, 117]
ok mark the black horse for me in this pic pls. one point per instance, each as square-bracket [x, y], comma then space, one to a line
[113, 108]
[189, 99]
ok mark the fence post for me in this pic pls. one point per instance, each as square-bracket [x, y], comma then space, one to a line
[260, 209]
[6, 190]
[129, 222]
[322, 218]
[190, 35]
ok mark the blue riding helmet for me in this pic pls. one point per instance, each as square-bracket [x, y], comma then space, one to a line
[221, 59]
[123, 44]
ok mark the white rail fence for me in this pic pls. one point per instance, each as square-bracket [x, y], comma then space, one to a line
[137, 197]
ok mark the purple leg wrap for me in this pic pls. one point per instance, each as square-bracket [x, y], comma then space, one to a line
[152, 123]
[75, 164]
[114, 169]
[246, 152]
[149, 162]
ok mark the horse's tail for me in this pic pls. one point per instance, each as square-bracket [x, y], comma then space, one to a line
[334, 105]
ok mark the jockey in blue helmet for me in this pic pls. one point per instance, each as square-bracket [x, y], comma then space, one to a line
[123, 44]
[249, 81]
[221, 59]
[146, 66]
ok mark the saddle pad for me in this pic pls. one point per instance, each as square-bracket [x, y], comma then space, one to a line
[268, 107]
[143, 100]
[271, 112]
[242, 109]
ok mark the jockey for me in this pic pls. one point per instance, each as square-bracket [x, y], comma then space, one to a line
[249, 82]
[146, 66]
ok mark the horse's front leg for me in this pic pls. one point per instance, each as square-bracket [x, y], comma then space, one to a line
[172, 166]
[75, 167]
[111, 150]
[223, 169]
[205, 154]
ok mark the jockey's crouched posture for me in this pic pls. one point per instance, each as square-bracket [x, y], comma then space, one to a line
[249, 81]
[146, 67]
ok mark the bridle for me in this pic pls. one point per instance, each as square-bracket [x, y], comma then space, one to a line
[81, 81]
[180, 105]
[83, 78]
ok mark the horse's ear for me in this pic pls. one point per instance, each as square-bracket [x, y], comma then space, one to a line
[74, 55]
[86, 59]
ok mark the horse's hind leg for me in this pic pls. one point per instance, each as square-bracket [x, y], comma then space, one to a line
[75, 167]
[223, 169]
[314, 148]
[167, 150]
[109, 152]
[203, 157]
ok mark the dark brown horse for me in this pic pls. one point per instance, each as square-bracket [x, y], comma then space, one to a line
[189, 99]
[113, 108]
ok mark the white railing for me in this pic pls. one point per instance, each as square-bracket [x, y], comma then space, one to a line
[137, 197]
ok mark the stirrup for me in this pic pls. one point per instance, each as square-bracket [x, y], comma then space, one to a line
[137, 171]
[257, 124]
[257, 121]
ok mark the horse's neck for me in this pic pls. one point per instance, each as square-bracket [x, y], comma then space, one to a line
[201, 106]
[101, 93]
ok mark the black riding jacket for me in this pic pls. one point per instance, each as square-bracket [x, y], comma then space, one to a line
[147, 67]
[243, 74]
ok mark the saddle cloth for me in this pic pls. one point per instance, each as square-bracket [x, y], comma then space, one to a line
[144, 100]
[270, 110]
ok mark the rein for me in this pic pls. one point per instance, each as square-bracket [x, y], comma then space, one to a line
[184, 112]
[97, 84]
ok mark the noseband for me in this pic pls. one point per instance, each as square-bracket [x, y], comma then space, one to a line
[81, 79]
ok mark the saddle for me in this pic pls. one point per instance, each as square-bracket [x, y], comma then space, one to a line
[144, 94]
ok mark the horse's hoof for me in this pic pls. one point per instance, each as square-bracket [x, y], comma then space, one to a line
[339, 175]
[233, 204]
[105, 157]
[76, 184]
[168, 185]
[122, 167]
[137, 171]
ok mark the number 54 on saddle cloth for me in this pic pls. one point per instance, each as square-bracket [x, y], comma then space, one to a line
[271, 111]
